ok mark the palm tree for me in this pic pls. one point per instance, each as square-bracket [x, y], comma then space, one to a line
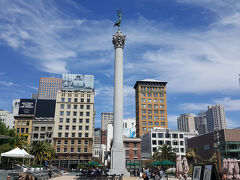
[42, 151]
[164, 152]
[20, 141]
[192, 156]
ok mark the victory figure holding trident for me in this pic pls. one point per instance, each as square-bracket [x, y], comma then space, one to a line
[118, 22]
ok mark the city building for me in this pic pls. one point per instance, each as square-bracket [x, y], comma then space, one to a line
[151, 105]
[48, 87]
[97, 143]
[43, 122]
[186, 122]
[74, 121]
[229, 144]
[106, 118]
[216, 119]
[133, 151]
[201, 123]
[159, 136]
[7, 118]
[24, 118]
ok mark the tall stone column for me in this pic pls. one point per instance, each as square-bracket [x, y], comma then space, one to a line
[118, 150]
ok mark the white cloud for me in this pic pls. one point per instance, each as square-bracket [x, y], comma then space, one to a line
[229, 103]
[232, 124]
[172, 121]
[6, 83]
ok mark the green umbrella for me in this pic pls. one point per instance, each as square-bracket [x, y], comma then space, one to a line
[156, 163]
[167, 162]
[133, 164]
[93, 163]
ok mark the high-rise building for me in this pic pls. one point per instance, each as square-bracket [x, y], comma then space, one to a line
[216, 119]
[48, 87]
[151, 105]
[201, 123]
[106, 118]
[74, 121]
[186, 122]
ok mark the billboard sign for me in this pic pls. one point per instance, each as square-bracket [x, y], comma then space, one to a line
[129, 132]
[26, 107]
[77, 82]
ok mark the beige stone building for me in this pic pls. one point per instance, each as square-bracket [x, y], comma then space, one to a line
[151, 105]
[73, 128]
[186, 122]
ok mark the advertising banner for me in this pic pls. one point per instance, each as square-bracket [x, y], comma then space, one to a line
[26, 106]
[77, 82]
[129, 132]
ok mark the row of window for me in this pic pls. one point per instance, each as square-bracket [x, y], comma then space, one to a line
[152, 94]
[150, 123]
[167, 135]
[73, 134]
[42, 135]
[152, 106]
[60, 127]
[23, 123]
[151, 88]
[71, 150]
[22, 130]
[75, 106]
[154, 100]
[174, 149]
[72, 142]
[76, 94]
[134, 152]
[151, 117]
[42, 128]
[133, 144]
[73, 120]
[152, 111]
[75, 100]
[74, 113]
[173, 143]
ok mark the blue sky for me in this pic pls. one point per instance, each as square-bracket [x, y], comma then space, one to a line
[193, 45]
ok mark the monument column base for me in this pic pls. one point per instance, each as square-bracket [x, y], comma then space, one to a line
[118, 163]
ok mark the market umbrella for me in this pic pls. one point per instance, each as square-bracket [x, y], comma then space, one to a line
[179, 168]
[236, 169]
[185, 167]
[156, 163]
[93, 163]
[230, 168]
[133, 164]
[167, 162]
[225, 166]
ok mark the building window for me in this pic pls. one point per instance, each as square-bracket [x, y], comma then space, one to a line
[79, 149]
[206, 147]
[154, 142]
[68, 113]
[74, 113]
[155, 95]
[149, 95]
[161, 95]
[66, 142]
[62, 106]
[26, 130]
[143, 95]
[143, 100]
[67, 127]
[61, 113]
[58, 149]
[155, 111]
[144, 123]
[59, 141]
[87, 121]
[35, 135]
[73, 127]
[88, 100]
[66, 134]
[65, 149]
[85, 150]
[86, 134]
[161, 112]
[69, 106]
[149, 111]
[81, 106]
[79, 134]
[154, 135]
[43, 128]
[143, 105]
[155, 100]
[75, 106]
[144, 129]
[87, 113]
[81, 113]
[156, 117]
[80, 120]
[143, 117]
[154, 149]
[75, 100]
[60, 127]
[86, 127]
[82, 99]
[80, 127]
[67, 120]
[182, 150]
[59, 134]
[163, 123]
[143, 111]
[74, 120]
[72, 142]
[162, 117]
[181, 143]
[161, 100]
[167, 135]
[35, 128]
[155, 106]
[168, 143]
[72, 149]
[79, 142]
[175, 135]
[86, 142]
[160, 142]
[156, 123]
[181, 136]
[88, 106]
[150, 123]
[149, 117]
[149, 106]
[161, 106]
[69, 99]
[62, 99]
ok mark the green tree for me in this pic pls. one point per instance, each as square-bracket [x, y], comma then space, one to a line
[164, 152]
[7, 139]
[20, 142]
[192, 156]
[42, 151]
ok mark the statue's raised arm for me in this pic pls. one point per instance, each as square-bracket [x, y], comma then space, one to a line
[118, 22]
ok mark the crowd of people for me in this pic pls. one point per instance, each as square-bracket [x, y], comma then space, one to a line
[147, 173]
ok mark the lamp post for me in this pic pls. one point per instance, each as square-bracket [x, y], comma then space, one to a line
[217, 143]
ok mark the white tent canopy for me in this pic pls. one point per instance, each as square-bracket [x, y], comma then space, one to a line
[17, 153]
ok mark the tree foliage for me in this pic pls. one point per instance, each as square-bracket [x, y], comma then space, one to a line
[164, 152]
[42, 151]
[192, 156]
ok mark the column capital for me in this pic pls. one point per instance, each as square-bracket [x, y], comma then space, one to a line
[118, 39]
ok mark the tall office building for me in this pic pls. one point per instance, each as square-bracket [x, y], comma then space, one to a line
[48, 87]
[74, 121]
[151, 105]
[106, 118]
[216, 118]
[201, 123]
[186, 122]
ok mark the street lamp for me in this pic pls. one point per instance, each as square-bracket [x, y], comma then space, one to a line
[216, 145]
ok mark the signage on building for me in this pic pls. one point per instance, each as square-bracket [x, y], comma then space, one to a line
[77, 82]
[26, 107]
[129, 132]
